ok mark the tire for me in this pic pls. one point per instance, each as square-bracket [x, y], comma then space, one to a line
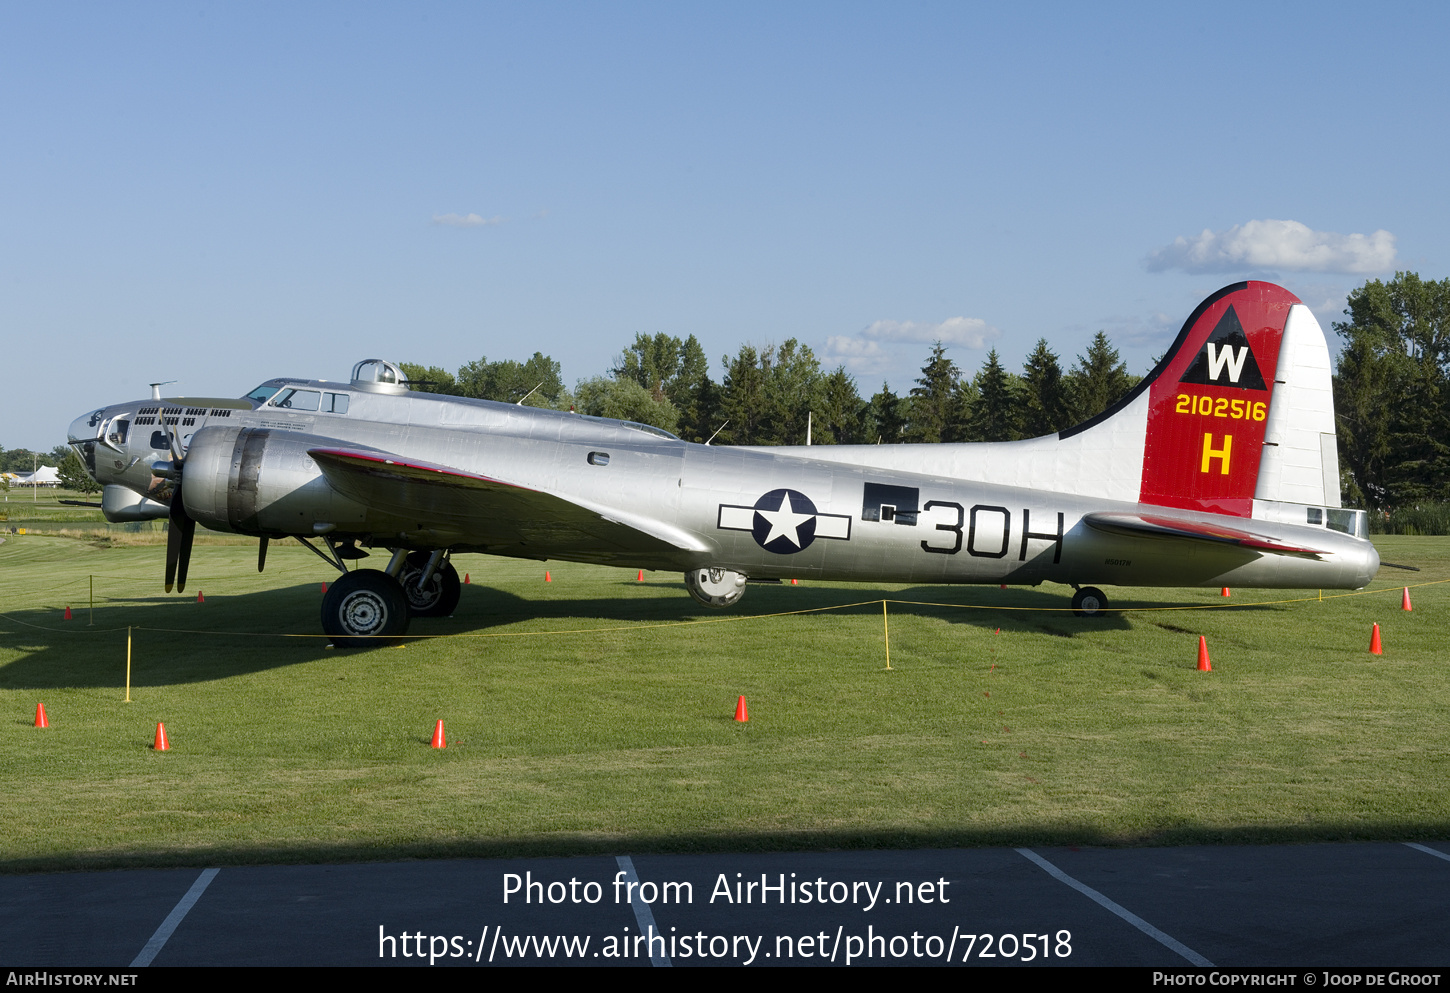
[364, 609]
[715, 587]
[441, 596]
[1089, 602]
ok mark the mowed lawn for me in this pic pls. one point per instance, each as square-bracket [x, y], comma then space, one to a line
[594, 713]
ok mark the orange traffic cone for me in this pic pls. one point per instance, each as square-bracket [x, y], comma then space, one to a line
[740, 714]
[1225, 591]
[1204, 665]
[439, 740]
[161, 744]
[547, 577]
[465, 580]
[1374, 642]
[1405, 603]
[40, 720]
[1004, 586]
[640, 577]
[199, 597]
[795, 582]
[324, 587]
[67, 613]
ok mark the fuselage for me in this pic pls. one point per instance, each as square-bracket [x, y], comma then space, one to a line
[832, 514]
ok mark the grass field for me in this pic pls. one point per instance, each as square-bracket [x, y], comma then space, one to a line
[593, 714]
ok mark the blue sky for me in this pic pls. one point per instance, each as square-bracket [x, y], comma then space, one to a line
[222, 193]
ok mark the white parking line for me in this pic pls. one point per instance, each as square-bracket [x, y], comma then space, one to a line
[1427, 851]
[642, 913]
[1127, 915]
[163, 933]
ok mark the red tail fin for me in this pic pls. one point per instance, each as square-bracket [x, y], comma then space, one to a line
[1209, 401]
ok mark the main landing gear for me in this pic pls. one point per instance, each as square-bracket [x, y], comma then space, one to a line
[438, 596]
[363, 609]
[368, 607]
[1089, 601]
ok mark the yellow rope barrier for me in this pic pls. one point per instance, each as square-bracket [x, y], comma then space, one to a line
[731, 620]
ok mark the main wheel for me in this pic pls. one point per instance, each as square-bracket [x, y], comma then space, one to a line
[1089, 602]
[715, 587]
[439, 597]
[363, 609]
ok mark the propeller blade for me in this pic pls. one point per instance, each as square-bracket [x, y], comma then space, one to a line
[178, 542]
[173, 437]
[262, 554]
[189, 533]
[173, 546]
[180, 534]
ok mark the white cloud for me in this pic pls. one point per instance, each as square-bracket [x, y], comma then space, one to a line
[870, 350]
[1281, 245]
[465, 220]
[969, 332]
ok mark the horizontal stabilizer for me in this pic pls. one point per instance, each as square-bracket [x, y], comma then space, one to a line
[1157, 526]
[487, 511]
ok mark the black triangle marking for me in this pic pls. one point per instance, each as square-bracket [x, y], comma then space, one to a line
[1226, 358]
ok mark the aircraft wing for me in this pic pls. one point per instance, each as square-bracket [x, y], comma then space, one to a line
[464, 507]
[1159, 526]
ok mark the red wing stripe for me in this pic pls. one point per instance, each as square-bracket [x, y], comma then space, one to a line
[364, 460]
[1152, 524]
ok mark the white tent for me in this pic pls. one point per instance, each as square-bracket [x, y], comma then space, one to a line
[46, 475]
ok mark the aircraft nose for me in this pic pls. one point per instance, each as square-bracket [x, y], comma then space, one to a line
[86, 427]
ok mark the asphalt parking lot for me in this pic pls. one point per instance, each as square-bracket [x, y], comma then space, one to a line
[1347, 905]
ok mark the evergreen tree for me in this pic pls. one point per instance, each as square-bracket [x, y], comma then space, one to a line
[1044, 406]
[742, 407]
[886, 418]
[996, 415]
[960, 426]
[767, 395]
[839, 420]
[1099, 380]
[934, 398]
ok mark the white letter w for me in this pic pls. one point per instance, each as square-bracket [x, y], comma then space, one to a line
[1235, 362]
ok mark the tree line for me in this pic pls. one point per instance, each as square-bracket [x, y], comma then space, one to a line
[1391, 395]
[768, 395]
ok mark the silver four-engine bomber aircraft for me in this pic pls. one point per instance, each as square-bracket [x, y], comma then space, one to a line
[1219, 469]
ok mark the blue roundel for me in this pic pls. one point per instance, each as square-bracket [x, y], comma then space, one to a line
[785, 521]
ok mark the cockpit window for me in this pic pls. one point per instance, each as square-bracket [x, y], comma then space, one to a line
[335, 403]
[646, 428]
[651, 429]
[297, 399]
[262, 393]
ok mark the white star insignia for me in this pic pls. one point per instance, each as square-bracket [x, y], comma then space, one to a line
[784, 522]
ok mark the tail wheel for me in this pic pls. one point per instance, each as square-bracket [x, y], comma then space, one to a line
[439, 597]
[363, 609]
[1089, 602]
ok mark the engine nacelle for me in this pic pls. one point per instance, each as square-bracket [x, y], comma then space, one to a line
[261, 481]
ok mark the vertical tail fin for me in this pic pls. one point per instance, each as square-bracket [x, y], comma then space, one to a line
[1210, 400]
